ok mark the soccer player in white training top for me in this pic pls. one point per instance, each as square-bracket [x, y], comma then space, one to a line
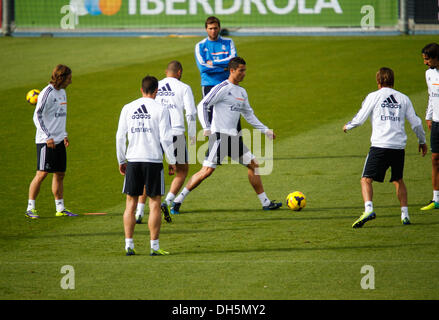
[228, 101]
[146, 125]
[51, 139]
[177, 97]
[430, 54]
[388, 110]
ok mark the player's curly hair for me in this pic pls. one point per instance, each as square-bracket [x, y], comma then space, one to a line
[59, 75]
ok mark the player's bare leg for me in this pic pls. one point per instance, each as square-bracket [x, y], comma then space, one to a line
[434, 203]
[58, 193]
[193, 182]
[366, 189]
[256, 182]
[129, 223]
[401, 192]
[435, 170]
[34, 190]
[129, 220]
[141, 206]
[155, 217]
[176, 184]
[34, 187]
[199, 177]
[58, 185]
[255, 179]
[181, 171]
[143, 197]
[367, 193]
[180, 177]
[154, 223]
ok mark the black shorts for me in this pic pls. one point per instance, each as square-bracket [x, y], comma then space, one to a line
[180, 149]
[51, 160]
[141, 174]
[206, 89]
[380, 159]
[222, 145]
[434, 137]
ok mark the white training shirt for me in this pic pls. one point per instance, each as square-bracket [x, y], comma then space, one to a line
[432, 79]
[177, 96]
[50, 115]
[145, 123]
[228, 101]
[388, 110]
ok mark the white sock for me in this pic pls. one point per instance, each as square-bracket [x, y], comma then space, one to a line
[264, 199]
[169, 198]
[368, 206]
[140, 208]
[129, 243]
[182, 195]
[59, 205]
[30, 205]
[404, 212]
[436, 195]
[155, 244]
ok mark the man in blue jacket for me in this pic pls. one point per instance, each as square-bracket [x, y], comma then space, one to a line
[213, 55]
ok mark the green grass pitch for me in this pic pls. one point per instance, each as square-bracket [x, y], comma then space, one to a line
[223, 246]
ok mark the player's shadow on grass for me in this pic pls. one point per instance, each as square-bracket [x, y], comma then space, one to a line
[206, 230]
[237, 210]
[266, 216]
[362, 156]
[305, 246]
[397, 224]
[356, 211]
[293, 217]
[376, 207]
[118, 233]
[307, 209]
[312, 157]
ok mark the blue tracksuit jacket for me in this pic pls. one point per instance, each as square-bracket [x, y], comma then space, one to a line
[219, 52]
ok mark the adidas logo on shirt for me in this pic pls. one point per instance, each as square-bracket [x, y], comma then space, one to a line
[165, 91]
[391, 102]
[141, 113]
